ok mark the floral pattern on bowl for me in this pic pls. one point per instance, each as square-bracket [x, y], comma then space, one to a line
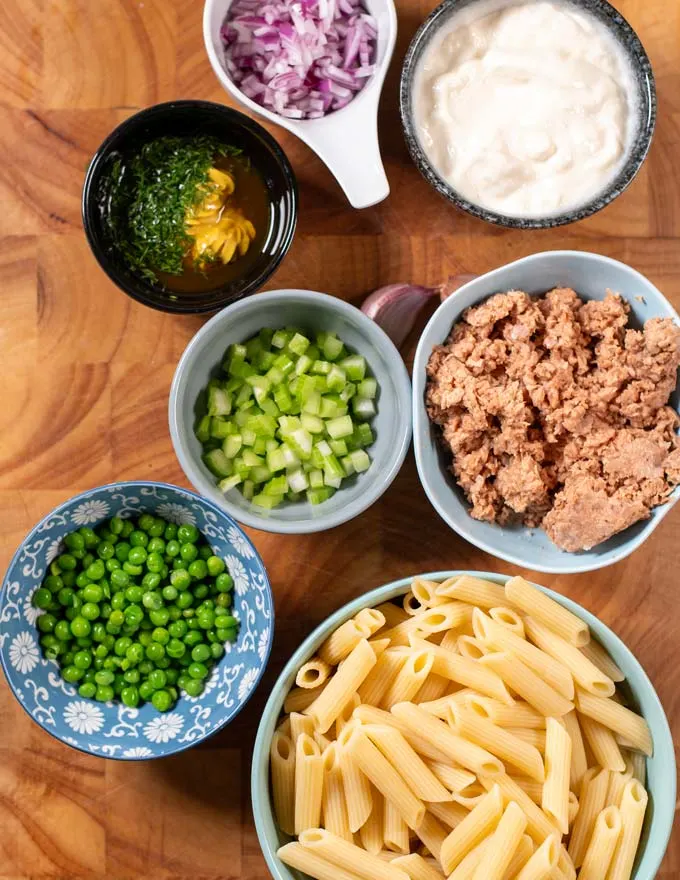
[111, 729]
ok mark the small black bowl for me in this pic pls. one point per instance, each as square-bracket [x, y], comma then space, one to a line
[180, 118]
[646, 110]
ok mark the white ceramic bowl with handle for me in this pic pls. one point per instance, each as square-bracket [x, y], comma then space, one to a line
[347, 139]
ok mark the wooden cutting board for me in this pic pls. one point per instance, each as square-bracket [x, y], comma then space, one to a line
[85, 378]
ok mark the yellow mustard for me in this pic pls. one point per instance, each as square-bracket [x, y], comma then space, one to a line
[218, 231]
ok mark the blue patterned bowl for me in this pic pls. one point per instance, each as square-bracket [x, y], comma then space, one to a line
[113, 730]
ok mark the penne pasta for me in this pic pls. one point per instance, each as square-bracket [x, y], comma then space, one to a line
[451, 615]
[544, 860]
[503, 843]
[617, 782]
[385, 777]
[410, 678]
[409, 764]
[472, 830]
[574, 807]
[302, 859]
[449, 815]
[538, 825]
[313, 674]
[633, 806]
[411, 605]
[470, 647]
[309, 774]
[469, 673]
[602, 744]
[358, 796]
[371, 832]
[509, 618]
[467, 867]
[284, 726]
[618, 718]
[299, 699]
[452, 778]
[282, 764]
[533, 789]
[579, 761]
[520, 857]
[498, 741]
[345, 639]
[555, 800]
[639, 763]
[601, 848]
[470, 797]
[473, 590]
[520, 714]
[500, 638]
[300, 724]
[379, 679]
[334, 804]
[435, 687]
[371, 715]
[393, 614]
[527, 684]
[597, 655]
[326, 708]
[348, 856]
[593, 794]
[321, 740]
[346, 713]
[535, 738]
[396, 832]
[545, 610]
[585, 673]
[426, 593]
[467, 754]
[432, 833]
[417, 868]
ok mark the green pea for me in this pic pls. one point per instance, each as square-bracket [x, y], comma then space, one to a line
[134, 570]
[127, 529]
[144, 638]
[134, 615]
[226, 635]
[105, 676]
[159, 617]
[171, 676]
[157, 679]
[104, 693]
[193, 637]
[216, 651]
[69, 578]
[198, 670]
[158, 527]
[118, 601]
[89, 674]
[67, 562]
[145, 521]
[85, 642]
[53, 583]
[200, 653]
[47, 622]
[169, 593]
[187, 534]
[174, 612]
[88, 559]
[215, 565]
[151, 580]
[182, 680]
[185, 599]
[139, 538]
[152, 600]
[90, 611]
[116, 525]
[66, 596]
[192, 621]
[180, 578]
[93, 593]
[96, 571]
[154, 562]
[188, 552]
[146, 690]
[82, 659]
[155, 651]
[155, 545]
[204, 552]
[223, 600]
[112, 564]
[135, 653]
[116, 619]
[134, 594]
[206, 620]
[170, 532]
[193, 687]
[225, 621]
[42, 598]
[98, 632]
[177, 629]
[137, 556]
[145, 667]
[122, 550]
[160, 635]
[172, 549]
[198, 569]
[80, 627]
[106, 549]
[162, 700]
[132, 676]
[87, 690]
[130, 696]
[121, 645]
[201, 591]
[75, 541]
[224, 583]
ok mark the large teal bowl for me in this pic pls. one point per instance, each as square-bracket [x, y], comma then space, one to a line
[660, 768]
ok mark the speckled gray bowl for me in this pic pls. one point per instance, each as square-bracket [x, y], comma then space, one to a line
[646, 104]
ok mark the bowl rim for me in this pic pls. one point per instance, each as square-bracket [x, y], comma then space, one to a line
[399, 373]
[641, 65]
[260, 797]
[183, 306]
[422, 429]
[126, 484]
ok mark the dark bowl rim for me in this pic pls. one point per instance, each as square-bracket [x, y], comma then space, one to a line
[137, 291]
[632, 45]
[215, 509]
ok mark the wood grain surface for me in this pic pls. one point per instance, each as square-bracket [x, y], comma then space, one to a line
[85, 379]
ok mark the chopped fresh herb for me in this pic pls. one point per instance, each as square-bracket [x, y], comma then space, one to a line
[150, 194]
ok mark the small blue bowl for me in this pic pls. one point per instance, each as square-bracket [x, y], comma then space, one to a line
[113, 730]
[660, 767]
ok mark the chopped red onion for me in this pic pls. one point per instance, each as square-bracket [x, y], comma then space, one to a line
[300, 58]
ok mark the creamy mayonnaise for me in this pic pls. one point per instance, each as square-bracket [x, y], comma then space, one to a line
[526, 109]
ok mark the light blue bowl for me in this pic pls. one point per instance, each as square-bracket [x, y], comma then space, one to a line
[312, 312]
[590, 275]
[660, 767]
[113, 730]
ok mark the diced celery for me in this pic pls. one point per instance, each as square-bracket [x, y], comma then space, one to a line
[276, 460]
[276, 486]
[217, 463]
[251, 459]
[282, 398]
[346, 462]
[330, 480]
[368, 388]
[332, 347]
[275, 375]
[233, 384]
[332, 407]
[312, 403]
[267, 501]
[260, 474]
[265, 337]
[317, 458]
[298, 480]
[313, 424]
[242, 416]
[318, 496]
[232, 445]
[237, 352]
[316, 478]
[293, 496]
[241, 468]
[323, 447]
[303, 365]
[262, 424]
[249, 437]
[339, 428]
[300, 442]
[219, 402]
[360, 460]
[336, 379]
[290, 456]
[260, 445]
[260, 385]
[355, 367]
[363, 407]
[323, 368]
[202, 429]
[281, 338]
[348, 392]
[253, 348]
[293, 386]
[322, 384]
[219, 428]
[288, 424]
[264, 361]
[332, 467]
[320, 337]
[364, 434]
[339, 447]
[229, 482]
[241, 369]
[304, 387]
[269, 408]
[299, 344]
[271, 444]
[248, 489]
[245, 392]
[313, 352]
[284, 363]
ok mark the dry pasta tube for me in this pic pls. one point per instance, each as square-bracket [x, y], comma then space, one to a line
[543, 861]
[284, 726]
[533, 789]
[348, 856]
[300, 724]
[600, 851]
[555, 800]
[470, 647]
[593, 794]
[410, 678]
[346, 712]
[426, 593]
[326, 708]
[585, 673]
[538, 825]
[358, 794]
[297, 856]
[597, 655]
[371, 832]
[579, 761]
[299, 699]
[466, 869]
[396, 832]
[639, 762]
[545, 610]
[535, 738]
[617, 783]
[527, 684]
[435, 687]
[334, 804]
[618, 718]
[410, 765]
[343, 641]
[452, 778]
[313, 674]
[380, 678]
[475, 591]
[417, 868]
[472, 830]
[371, 715]
[521, 856]
[502, 844]
[509, 618]
[282, 763]
[393, 614]
[450, 815]
[602, 744]
[308, 783]
[411, 605]
[633, 805]
[431, 620]
[432, 833]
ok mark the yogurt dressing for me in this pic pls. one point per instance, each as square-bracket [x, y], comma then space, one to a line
[525, 109]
